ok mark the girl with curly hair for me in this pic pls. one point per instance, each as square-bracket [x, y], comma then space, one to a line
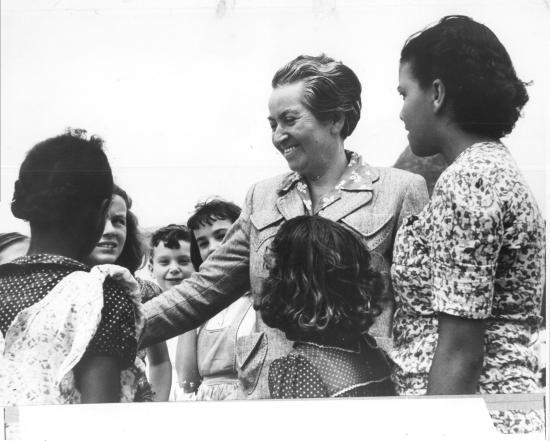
[323, 294]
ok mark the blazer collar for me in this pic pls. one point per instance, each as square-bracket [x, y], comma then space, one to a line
[358, 176]
[357, 182]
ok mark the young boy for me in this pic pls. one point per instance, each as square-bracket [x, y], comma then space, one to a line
[169, 264]
[170, 259]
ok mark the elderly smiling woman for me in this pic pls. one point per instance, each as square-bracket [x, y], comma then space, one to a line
[315, 105]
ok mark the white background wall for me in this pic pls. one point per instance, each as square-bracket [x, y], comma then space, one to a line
[178, 88]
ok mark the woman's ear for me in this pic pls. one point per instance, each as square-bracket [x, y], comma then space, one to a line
[337, 123]
[439, 94]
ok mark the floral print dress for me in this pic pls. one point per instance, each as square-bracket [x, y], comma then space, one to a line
[476, 251]
[55, 311]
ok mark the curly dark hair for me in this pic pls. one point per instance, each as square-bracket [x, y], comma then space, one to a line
[330, 87]
[484, 94]
[321, 285]
[170, 235]
[133, 253]
[59, 177]
[205, 214]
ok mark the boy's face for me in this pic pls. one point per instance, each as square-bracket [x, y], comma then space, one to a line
[170, 266]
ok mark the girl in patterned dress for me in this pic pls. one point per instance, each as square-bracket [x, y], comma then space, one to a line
[68, 332]
[468, 270]
[323, 294]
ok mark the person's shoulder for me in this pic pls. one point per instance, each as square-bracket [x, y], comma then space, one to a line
[273, 183]
[399, 175]
[400, 181]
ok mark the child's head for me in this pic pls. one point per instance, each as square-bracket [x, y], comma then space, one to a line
[321, 284]
[170, 260]
[64, 187]
[208, 226]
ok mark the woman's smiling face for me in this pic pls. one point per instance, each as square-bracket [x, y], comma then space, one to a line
[306, 143]
[112, 241]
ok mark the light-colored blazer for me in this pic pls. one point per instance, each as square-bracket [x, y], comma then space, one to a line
[375, 212]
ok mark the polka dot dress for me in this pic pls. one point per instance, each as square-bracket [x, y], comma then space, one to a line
[29, 279]
[315, 371]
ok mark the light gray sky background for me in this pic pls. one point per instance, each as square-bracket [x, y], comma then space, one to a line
[178, 89]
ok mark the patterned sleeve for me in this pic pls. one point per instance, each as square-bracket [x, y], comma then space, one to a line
[415, 198]
[294, 376]
[115, 335]
[468, 233]
[149, 290]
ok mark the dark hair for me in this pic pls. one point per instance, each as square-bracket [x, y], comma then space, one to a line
[59, 177]
[9, 239]
[484, 94]
[330, 87]
[206, 213]
[132, 255]
[170, 235]
[321, 285]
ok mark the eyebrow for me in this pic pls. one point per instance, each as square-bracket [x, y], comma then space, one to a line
[282, 114]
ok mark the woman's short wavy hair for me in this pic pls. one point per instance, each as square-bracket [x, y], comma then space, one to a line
[133, 253]
[330, 88]
[59, 177]
[321, 285]
[484, 94]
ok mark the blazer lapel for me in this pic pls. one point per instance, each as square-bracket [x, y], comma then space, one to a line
[348, 202]
[290, 205]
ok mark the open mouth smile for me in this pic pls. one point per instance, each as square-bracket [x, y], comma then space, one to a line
[288, 151]
[107, 245]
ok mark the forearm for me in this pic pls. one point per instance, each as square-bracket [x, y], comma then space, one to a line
[98, 379]
[186, 362]
[161, 380]
[453, 374]
[221, 280]
[458, 359]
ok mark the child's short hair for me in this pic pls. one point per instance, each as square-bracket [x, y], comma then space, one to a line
[211, 211]
[206, 213]
[170, 235]
[321, 284]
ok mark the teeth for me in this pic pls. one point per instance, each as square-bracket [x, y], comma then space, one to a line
[289, 150]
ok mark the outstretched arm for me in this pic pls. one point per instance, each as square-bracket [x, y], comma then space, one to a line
[222, 279]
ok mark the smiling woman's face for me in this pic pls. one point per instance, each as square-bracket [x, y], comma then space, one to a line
[112, 241]
[306, 143]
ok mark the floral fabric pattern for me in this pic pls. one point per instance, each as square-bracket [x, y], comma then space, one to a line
[476, 251]
[32, 372]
